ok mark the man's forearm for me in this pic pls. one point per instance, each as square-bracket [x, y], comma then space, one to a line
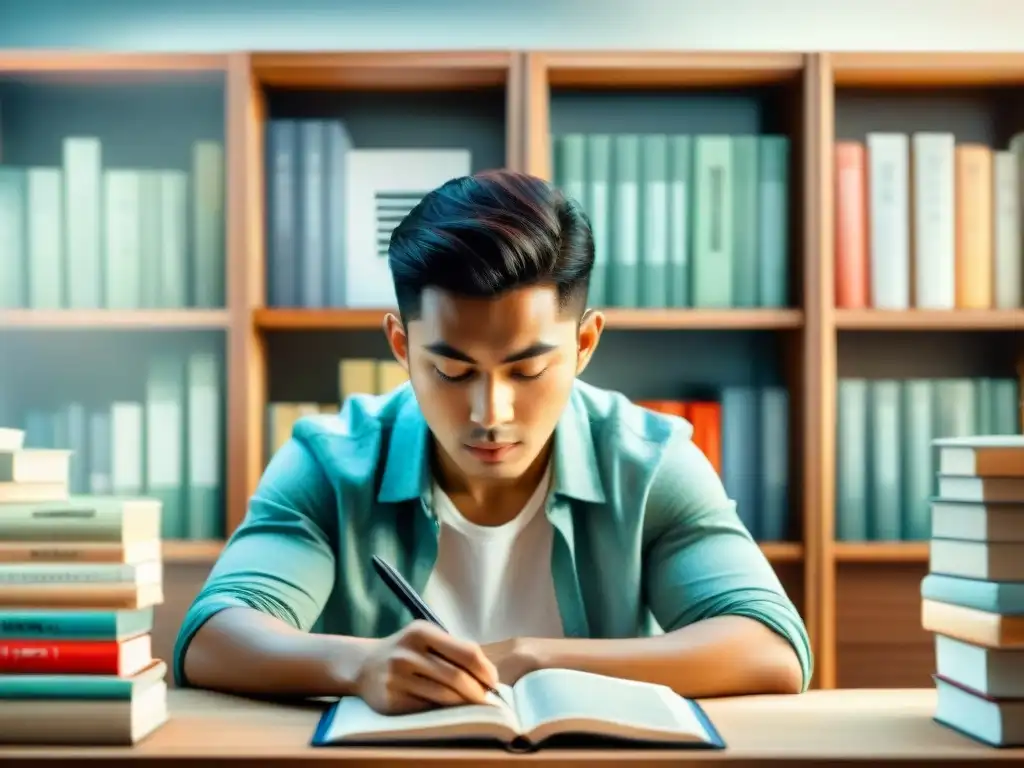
[245, 651]
[721, 656]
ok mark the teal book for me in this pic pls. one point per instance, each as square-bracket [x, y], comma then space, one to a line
[654, 236]
[918, 458]
[774, 464]
[773, 221]
[679, 221]
[852, 461]
[165, 441]
[624, 285]
[99, 687]
[746, 230]
[886, 492]
[313, 212]
[204, 517]
[598, 204]
[208, 225]
[13, 235]
[741, 452]
[31, 624]
[1005, 410]
[713, 253]
[1005, 598]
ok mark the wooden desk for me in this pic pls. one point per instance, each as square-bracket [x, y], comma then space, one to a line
[816, 728]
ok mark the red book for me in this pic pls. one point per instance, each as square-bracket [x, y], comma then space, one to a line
[75, 657]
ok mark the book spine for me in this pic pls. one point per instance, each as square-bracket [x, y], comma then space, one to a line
[72, 657]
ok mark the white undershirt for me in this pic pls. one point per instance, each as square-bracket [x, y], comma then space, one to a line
[491, 583]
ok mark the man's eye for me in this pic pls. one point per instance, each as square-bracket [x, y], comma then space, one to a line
[452, 379]
[529, 375]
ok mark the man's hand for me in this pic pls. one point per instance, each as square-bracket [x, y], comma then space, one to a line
[421, 666]
[513, 658]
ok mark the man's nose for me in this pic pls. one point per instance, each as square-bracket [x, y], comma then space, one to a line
[492, 402]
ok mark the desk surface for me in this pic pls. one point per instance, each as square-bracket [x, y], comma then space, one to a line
[880, 726]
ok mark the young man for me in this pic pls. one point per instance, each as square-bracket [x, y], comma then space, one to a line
[546, 521]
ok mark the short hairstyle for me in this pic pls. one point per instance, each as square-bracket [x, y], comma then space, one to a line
[488, 233]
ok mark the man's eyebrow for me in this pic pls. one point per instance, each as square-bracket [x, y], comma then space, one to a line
[444, 349]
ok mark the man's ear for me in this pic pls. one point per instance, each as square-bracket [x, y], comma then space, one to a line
[591, 326]
[394, 331]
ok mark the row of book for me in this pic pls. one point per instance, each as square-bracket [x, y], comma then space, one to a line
[925, 222]
[885, 465]
[168, 444]
[84, 235]
[972, 599]
[682, 220]
[331, 208]
[80, 577]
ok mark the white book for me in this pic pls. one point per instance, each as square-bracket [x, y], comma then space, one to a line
[889, 209]
[172, 288]
[934, 216]
[128, 448]
[122, 238]
[83, 201]
[46, 237]
[1009, 259]
[382, 186]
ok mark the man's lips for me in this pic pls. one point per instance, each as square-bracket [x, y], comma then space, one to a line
[492, 453]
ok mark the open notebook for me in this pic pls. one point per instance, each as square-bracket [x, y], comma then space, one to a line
[549, 707]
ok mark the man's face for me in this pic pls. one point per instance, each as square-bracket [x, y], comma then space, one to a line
[492, 376]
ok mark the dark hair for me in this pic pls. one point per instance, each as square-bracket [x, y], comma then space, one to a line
[488, 233]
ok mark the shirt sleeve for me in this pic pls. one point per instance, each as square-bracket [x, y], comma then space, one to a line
[702, 562]
[280, 559]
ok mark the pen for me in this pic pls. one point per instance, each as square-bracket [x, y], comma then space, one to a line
[417, 607]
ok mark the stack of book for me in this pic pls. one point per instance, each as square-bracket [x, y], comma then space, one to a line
[973, 595]
[79, 578]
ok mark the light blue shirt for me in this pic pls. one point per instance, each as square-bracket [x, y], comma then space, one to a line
[645, 537]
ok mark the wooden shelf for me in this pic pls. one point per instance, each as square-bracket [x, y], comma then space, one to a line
[783, 551]
[926, 69]
[930, 320]
[881, 552]
[270, 319]
[177, 552]
[75, 67]
[381, 71]
[667, 69]
[114, 319]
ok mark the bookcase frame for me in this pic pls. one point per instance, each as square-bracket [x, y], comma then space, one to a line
[528, 77]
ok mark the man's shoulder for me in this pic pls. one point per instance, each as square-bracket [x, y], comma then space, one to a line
[353, 441]
[359, 417]
[623, 431]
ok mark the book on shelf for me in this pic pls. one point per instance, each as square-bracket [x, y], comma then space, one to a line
[927, 222]
[331, 208]
[545, 708]
[83, 234]
[166, 442]
[682, 220]
[885, 458]
[80, 577]
[973, 595]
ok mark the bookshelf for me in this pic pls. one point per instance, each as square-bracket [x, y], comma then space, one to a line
[859, 599]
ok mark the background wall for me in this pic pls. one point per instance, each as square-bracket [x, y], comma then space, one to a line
[202, 25]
